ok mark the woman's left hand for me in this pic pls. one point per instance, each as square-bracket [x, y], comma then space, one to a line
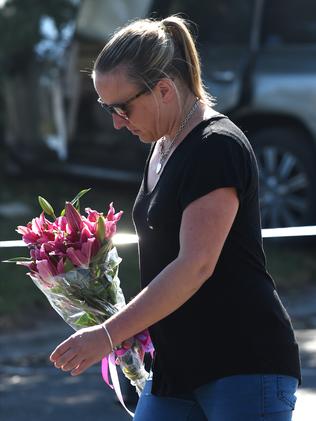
[81, 350]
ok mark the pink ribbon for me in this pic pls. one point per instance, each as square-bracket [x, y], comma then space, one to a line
[145, 341]
[109, 364]
[105, 371]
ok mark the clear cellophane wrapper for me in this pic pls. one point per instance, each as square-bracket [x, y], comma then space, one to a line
[88, 296]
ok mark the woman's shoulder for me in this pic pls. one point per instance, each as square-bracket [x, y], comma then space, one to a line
[221, 124]
[220, 142]
[220, 131]
[215, 135]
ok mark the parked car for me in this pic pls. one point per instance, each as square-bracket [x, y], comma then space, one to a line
[259, 61]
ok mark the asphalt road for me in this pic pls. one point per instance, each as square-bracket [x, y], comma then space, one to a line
[31, 389]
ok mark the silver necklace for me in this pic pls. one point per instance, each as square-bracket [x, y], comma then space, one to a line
[163, 154]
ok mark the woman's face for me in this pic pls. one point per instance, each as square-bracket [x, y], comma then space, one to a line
[144, 110]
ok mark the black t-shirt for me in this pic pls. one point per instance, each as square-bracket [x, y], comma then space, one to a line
[235, 323]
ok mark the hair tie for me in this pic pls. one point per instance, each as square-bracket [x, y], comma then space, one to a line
[163, 26]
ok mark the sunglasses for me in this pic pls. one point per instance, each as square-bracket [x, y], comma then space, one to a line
[122, 108]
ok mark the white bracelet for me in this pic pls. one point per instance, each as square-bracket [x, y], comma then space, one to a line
[109, 337]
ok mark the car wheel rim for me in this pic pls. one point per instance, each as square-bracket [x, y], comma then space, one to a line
[283, 188]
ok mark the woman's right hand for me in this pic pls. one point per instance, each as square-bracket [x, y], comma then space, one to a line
[81, 350]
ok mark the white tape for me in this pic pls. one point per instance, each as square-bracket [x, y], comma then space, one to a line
[289, 232]
[17, 243]
[118, 239]
[121, 239]
[125, 239]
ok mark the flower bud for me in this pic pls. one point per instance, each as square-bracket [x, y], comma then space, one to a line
[73, 218]
[100, 229]
[46, 206]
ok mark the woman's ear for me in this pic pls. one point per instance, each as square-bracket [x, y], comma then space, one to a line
[166, 88]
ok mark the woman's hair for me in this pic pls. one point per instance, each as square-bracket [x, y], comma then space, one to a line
[150, 50]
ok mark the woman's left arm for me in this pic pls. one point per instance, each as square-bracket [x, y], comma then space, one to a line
[205, 225]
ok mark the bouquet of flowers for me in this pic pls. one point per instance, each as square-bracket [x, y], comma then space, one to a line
[74, 263]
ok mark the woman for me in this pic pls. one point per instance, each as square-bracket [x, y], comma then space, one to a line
[224, 344]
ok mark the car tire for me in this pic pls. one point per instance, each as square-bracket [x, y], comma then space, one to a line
[287, 177]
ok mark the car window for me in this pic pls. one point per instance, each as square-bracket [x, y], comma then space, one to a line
[289, 22]
[218, 21]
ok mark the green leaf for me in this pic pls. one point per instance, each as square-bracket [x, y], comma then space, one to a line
[68, 265]
[46, 206]
[75, 201]
[102, 252]
[58, 290]
[79, 195]
[18, 259]
[86, 320]
[101, 229]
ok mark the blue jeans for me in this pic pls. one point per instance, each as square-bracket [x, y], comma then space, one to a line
[236, 398]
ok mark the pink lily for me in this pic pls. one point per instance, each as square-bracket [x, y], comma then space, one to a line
[38, 224]
[85, 232]
[41, 224]
[90, 225]
[60, 224]
[28, 236]
[46, 271]
[81, 258]
[60, 266]
[57, 247]
[39, 230]
[43, 252]
[111, 220]
[48, 247]
[112, 216]
[110, 229]
[93, 215]
[145, 340]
